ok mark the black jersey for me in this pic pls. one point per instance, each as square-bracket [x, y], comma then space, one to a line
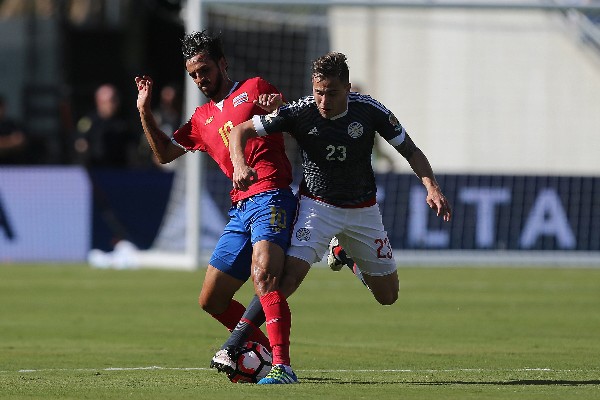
[336, 152]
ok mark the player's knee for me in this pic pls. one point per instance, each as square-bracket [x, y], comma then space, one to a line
[204, 303]
[388, 298]
[267, 266]
[210, 306]
[384, 288]
[265, 281]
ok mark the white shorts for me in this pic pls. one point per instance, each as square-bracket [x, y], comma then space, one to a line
[360, 232]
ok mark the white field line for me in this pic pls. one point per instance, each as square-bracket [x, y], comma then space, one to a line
[154, 367]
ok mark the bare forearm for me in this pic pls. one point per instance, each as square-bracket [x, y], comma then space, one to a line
[243, 175]
[435, 198]
[421, 167]
[237, 142]
[159, 142]
[236, 151]
[164, 150]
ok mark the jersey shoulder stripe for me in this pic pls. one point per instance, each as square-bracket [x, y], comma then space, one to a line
[366, 99]
[300, 104]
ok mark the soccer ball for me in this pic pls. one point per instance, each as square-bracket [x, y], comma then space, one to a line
[253, 363]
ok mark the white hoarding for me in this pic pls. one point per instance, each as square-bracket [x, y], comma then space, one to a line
[45, 214]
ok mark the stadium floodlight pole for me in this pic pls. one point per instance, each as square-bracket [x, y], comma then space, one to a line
[194, 21]
[188, 259]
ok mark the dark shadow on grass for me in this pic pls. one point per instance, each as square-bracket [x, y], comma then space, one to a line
[520, 382]
[523, 382]
[322, 380]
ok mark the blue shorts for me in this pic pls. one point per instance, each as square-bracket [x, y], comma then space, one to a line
[264, 216]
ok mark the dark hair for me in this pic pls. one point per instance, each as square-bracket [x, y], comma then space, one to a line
[202, 42]
[331, 65]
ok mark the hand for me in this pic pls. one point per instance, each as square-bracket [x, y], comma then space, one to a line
[144, 87]
[269, 102]
[243, 177]
[438, 202]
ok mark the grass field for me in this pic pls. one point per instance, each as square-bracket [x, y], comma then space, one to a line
[71, 332]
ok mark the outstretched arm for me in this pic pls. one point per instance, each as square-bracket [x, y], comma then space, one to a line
[435, 198]
[243, 175]
[164, 150]
[269, 102]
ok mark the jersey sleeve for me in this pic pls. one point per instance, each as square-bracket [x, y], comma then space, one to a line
[391, 129]
[394, 133]
[186, 137]
[261, 86]
[280, 120]
[265, 87]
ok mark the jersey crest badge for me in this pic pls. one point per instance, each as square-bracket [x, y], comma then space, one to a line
[209, 120]
[395, 123]
[240, 98]
[303, 234]
[355, 130]
[313, 131]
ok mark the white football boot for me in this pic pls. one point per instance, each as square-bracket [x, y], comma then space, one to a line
[337, 262]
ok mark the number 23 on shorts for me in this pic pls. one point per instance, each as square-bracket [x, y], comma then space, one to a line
[384, 249]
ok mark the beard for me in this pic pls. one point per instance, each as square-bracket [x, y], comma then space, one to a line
[213, 88]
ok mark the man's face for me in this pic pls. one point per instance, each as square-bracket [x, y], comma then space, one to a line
[207, 74]
[331, 95]
[107, 102]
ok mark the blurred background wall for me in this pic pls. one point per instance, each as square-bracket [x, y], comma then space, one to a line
[502, 96]
[481, 90]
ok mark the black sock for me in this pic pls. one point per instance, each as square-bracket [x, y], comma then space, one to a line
[242, 331]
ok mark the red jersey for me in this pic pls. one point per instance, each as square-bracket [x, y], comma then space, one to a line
[208, 131]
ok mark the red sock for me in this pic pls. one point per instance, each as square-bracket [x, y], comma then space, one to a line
[279, 323]
[257, 335]
[231, 316]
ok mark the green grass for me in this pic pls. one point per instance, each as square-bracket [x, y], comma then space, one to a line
[71, 332]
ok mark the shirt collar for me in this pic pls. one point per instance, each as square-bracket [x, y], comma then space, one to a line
[341, 114]
[220, 104]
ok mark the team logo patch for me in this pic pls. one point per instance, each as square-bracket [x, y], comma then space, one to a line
[313, 131]
[303, 234]
[355, 130]
[208, 120]
[240, 98]
[393, 120]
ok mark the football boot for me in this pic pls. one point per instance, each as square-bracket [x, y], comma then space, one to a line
[279, 374]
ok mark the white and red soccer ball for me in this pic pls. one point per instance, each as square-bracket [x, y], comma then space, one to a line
[253, 363]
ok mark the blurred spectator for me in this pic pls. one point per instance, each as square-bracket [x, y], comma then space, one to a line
[104, 138]
[13, 141]
[41, 8]
[168, 112]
